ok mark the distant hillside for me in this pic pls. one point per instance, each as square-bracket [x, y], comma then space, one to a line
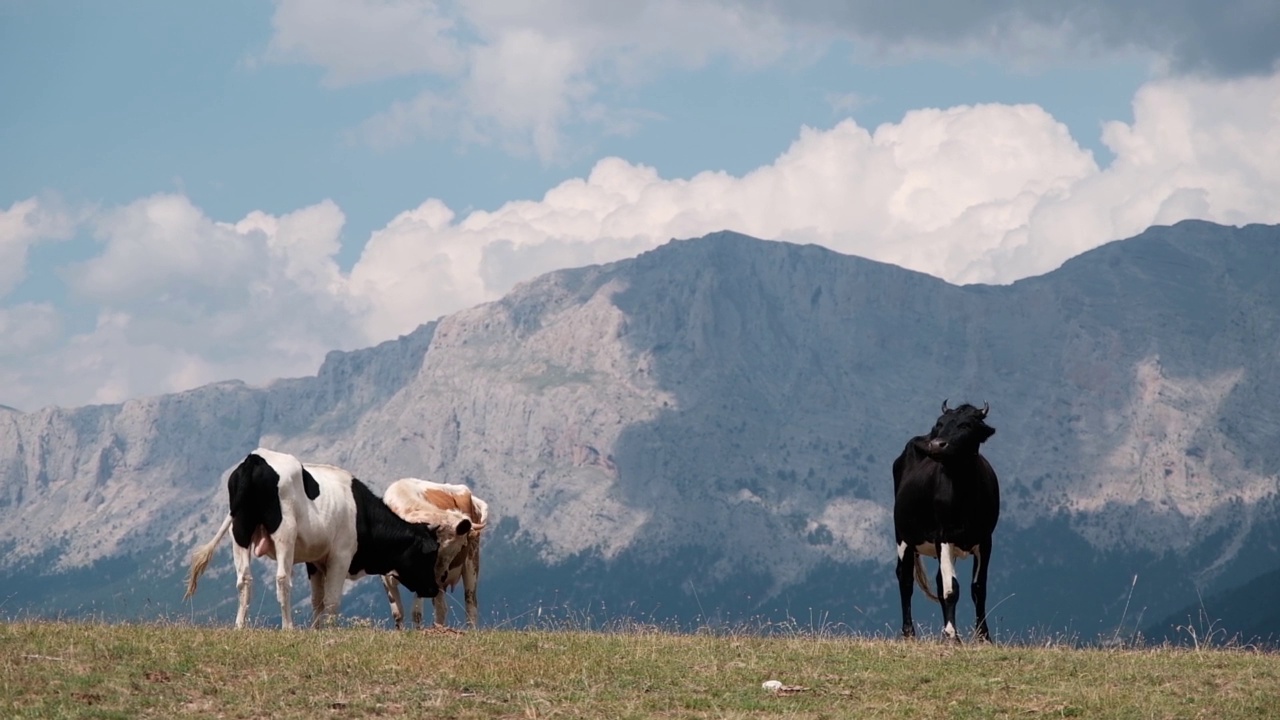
[706, 431]
[1249, 613]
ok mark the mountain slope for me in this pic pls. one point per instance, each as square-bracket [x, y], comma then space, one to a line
[1251, 612]
[706, 430]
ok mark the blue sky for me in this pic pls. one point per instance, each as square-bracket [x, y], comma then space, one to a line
[335, 172]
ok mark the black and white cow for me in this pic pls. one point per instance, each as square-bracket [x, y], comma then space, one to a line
[946, 505]
[320, 515]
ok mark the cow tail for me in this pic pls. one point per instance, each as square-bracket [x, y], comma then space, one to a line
[922, 581]
[201, 557]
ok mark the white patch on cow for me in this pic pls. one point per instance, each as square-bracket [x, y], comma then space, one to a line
[948, 570]
[902, 550]
[949, 630]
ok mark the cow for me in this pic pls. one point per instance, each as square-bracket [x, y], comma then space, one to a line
[461, 517]
[946, 502]
[320, 515]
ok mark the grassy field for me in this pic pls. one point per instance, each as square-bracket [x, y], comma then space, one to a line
[63, 670]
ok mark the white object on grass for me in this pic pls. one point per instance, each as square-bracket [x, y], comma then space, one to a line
[771, 685]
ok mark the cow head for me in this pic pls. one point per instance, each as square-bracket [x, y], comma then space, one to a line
[416, 568]
[958, 432]
[452, 531]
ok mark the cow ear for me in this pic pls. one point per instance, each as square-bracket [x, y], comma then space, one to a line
[987, 431]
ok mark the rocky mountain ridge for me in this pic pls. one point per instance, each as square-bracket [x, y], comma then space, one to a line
[712, 423]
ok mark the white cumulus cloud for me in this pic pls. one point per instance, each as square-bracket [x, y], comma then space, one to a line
[182, 300]
[985, 193]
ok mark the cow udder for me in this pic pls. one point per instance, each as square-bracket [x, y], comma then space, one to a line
[262, 543]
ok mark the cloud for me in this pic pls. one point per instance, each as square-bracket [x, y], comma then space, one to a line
[24, 224]
[985, 193]
[28, 328]
[938, 192]
[182, 300]
[1227, 39]
[365, 40]
[982, 193]
[527, 81]
[515, 73]
[518, 73]
[405, 121]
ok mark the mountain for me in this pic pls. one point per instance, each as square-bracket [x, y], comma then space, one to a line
[1251, 610]
[704, 433]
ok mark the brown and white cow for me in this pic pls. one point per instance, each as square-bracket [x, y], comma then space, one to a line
[445, 506]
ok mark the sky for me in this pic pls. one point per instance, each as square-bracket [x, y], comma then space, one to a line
[194, 192]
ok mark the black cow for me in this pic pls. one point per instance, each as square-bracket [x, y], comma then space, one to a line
[946, 502]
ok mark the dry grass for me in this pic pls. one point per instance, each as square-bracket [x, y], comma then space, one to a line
[62, 670]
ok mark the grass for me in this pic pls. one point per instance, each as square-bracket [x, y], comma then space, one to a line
[65, 670]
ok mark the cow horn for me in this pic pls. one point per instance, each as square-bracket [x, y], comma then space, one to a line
[944, 407]
[985, 408]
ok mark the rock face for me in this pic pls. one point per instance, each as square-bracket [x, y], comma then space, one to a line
[706, 431]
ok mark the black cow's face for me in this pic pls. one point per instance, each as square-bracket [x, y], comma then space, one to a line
[417, 567]
[958, 431]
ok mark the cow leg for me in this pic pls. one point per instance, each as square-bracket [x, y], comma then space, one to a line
[948, 590]
[470, 579]
[284, 580]
[316, 574]
[392, 586]
[244, 581]
[440, 603]
[981, 561]
[333, 582]
[417, 610]
[906, 578]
